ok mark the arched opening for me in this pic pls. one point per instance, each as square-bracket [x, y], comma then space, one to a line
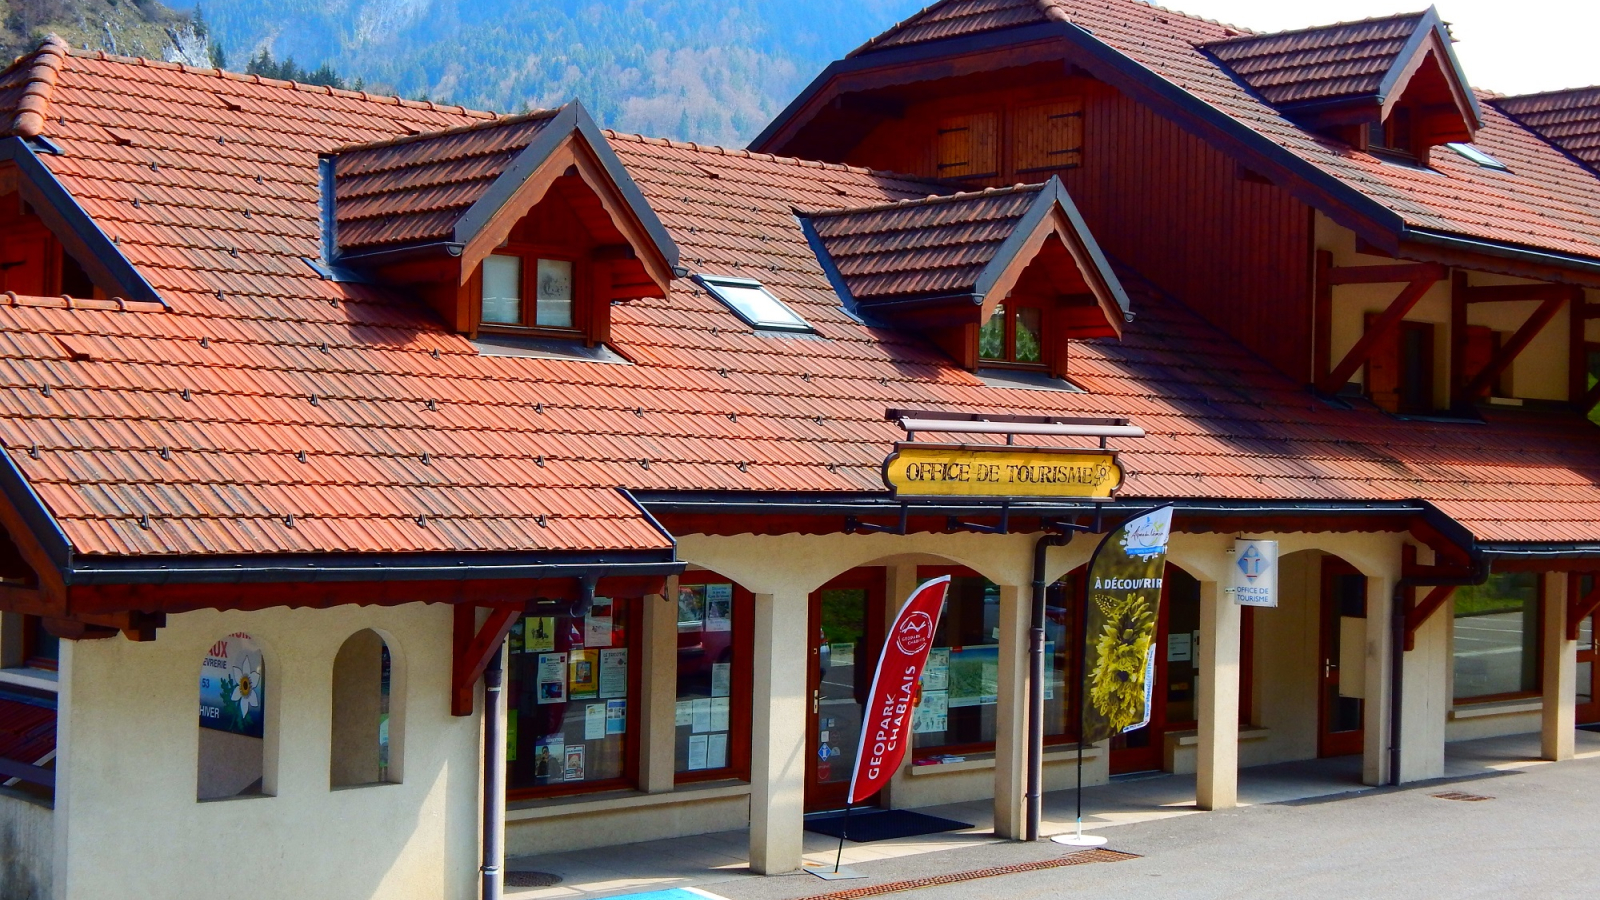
[233, 716]
[363, 685]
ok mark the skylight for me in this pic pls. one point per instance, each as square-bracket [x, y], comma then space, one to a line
[1478, 156]
[753, 303]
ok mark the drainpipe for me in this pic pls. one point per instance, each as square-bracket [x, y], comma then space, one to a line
[1397, 649]
[1036, 681]
[494, 788]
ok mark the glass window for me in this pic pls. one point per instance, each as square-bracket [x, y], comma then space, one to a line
[502, 289]
[41, 649]
[1013, 334]
[233, 714]
[570, 724]
[711, 737]
[361, 690]
[1496, 637]
[992, 336]
[754, 303]
[553, 305]
[1477, 156]
[1027, 347]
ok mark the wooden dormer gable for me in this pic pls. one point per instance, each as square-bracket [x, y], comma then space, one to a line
[945, 266]
[429, 211]
[1391, 83]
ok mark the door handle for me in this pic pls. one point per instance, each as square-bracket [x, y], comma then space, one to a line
[816, 700]
[1328, 668]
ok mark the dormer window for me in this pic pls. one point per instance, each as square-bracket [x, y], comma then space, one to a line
[753, 303]
[1013, 336]
[528, 291]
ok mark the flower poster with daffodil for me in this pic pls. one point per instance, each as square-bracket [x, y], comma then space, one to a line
[1124, 604]
[233, 686]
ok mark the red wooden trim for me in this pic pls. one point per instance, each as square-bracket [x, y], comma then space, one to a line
[1393, 274]
[1382, 326]
[1512, 293]
[1513, 348]
[1580, 608]
[1458, 336]
[1322, 317]
[1417, 614]
[472, 656]
[1577, 362]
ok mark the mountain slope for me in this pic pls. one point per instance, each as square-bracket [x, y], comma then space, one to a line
[712, 71]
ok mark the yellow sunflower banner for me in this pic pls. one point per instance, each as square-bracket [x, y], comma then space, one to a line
[1124, 604]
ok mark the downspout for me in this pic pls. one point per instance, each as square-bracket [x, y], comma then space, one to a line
[1397, 649]
[1036, 681]
[494, 788]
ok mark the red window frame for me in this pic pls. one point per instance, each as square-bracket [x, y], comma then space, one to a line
[530, 253]
[1009, 341]
[740, 691]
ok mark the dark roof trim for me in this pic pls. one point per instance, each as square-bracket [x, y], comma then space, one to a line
[1500, 249]
[1431, 24]
[78, 233]
[365, 567]
[841, 289]
[572, 118]
[1054, 196]
[34, 513]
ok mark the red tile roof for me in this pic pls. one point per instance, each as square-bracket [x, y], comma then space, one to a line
[266, 410]
[1346, 60]
[1569, 119]
[414, 189]
[954, 18]
[919, 248]
[1546, 200]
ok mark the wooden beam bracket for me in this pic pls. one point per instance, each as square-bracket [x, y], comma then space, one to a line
[1418, 614]
[1418, 279]
[1502, 360]
[474, 650]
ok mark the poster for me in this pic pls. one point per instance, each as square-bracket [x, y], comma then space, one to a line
[597, 628]
[974, 676]
[551, 677]
[511, 735]
[594, 722]
[1124, 586]
[721, 679]
[691, 604]
[1050, 670]
[233, 686]
[614, 673]
[932, 713]
[702, 715]
[719, 607]
[549, 754]
[716, 751]
[936, 675]
[719, 713]
[583, 675]
[616, 716]
[685, 713]
[538, 634]
[572, 770]
[841, 655]
[697, 752]
[514, 638]
[1178, 646]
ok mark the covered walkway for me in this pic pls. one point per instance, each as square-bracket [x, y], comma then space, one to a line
[706, 860]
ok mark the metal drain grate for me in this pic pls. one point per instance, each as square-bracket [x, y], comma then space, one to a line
[1460, 795]
[532, 879]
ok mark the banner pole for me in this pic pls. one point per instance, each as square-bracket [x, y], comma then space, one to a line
[844, 829]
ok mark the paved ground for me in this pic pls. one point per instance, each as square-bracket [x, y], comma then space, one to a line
[1536, 838]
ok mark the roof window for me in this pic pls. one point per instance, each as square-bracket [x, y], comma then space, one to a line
[753, 303]
[1478, 156]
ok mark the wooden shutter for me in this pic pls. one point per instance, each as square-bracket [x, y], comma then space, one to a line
[1383, 369]
[968, 145]
[1049, 135]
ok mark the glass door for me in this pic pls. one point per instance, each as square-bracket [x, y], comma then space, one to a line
[846, 628]
[1588, 707]
[1344, 612]
[1177, 689]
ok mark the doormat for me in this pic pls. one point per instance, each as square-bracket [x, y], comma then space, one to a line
[531, 879]
[1592, 726]
[1082, 857]
[870, 825]
[1461, 795]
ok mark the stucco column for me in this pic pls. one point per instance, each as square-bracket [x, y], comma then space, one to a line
[1425, 697]
[1379, 664]
[1217, 760]
[659, 685]
[1011, 716]
[1558, 720]
[779, 707]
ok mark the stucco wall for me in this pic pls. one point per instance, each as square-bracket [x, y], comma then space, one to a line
[129, 826]
[27, 845]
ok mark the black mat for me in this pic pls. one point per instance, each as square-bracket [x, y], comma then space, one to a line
[867, 825]
[1593, 726]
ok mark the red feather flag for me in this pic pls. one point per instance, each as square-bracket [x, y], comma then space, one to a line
[887, 728]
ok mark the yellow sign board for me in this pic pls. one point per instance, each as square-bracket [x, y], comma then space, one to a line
[956, 470]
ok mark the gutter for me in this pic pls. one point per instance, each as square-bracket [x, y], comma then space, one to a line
[353, 567]
[1494, 248]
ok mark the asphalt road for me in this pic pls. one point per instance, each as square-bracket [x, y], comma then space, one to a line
[1539, 837]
